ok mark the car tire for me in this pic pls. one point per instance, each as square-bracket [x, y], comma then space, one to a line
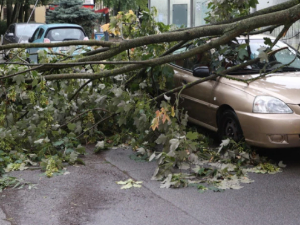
[229, 126]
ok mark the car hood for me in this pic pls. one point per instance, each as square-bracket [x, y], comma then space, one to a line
[284, 86]
[22, 39]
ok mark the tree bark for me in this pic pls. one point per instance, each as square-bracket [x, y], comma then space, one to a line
[16, 10]
[9, 13]
[21, 14]
[26, 10]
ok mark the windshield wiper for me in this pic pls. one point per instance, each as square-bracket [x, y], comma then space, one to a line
[289, 69]
[244, 72]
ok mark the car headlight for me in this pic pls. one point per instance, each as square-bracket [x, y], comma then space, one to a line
[268, 104]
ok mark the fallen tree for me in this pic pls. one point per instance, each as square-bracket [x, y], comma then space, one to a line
[110, 94]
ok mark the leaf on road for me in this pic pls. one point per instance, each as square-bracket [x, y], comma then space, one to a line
[129, 184]
[174, 143]
[281, 165]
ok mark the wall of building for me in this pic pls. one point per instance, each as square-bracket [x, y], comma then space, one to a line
[200, 10]
[195, 11]
[40, 14]
[264, 4]
[162, 7]
[173, 17]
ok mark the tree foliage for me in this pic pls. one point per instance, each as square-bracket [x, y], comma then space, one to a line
[229, 9]
[73, 12]
[119, 5]
[114, 94]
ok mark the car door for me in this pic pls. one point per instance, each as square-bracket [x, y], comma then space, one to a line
[197, 99]
[37, 37]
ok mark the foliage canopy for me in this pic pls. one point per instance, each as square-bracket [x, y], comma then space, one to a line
[113, 94]
[73, 12]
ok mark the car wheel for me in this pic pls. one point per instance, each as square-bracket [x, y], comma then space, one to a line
[230, 126]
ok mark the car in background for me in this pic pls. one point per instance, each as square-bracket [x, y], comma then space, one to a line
[18, 33]
[265, 111]
[53, 33]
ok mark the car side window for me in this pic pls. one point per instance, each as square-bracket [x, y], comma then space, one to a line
[179, 62]
[197, 60]
[35, 35]
[40, 33]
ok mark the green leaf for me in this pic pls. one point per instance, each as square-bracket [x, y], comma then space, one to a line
[71, 126]
[192, 135]
[127, 186]
[174, 143]
[242, 53]
[34, 82]
[215, 189]
[268, 41]
[58, 143]
[161, 139]
[19, 79]
[138, 157]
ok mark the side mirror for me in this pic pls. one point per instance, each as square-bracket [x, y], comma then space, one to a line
[30, 40]
[201, 71]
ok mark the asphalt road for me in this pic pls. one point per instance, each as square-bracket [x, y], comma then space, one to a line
[89, 195]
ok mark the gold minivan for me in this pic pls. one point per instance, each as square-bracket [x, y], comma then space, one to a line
[266, 111]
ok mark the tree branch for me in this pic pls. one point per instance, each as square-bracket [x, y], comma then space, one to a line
[57, 44]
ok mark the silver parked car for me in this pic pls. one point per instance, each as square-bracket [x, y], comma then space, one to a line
[18, 33]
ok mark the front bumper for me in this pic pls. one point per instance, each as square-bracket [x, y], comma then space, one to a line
[271, 130]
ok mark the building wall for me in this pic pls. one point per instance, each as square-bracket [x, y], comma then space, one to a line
[196, 11]
[200, 10]
[162, 8]
[264, 4]
[40, 14]
[183, 2]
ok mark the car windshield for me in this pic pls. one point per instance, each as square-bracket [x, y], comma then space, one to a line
[283, 57]
[64, 34]
[25, 30]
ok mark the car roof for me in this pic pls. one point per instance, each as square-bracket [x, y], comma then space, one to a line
[256, 36]
[54, 25]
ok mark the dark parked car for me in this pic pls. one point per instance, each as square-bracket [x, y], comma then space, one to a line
[19, 33]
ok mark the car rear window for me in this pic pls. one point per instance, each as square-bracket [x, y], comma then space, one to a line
[65, 34]
[25, 30]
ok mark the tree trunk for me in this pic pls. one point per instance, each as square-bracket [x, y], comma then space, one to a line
[26, 10]
[21, 14]
[9, 13]
[15, 13]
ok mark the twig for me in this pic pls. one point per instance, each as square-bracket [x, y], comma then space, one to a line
[25, 71]
[95, 125]
[86, 83]
[78, 116]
